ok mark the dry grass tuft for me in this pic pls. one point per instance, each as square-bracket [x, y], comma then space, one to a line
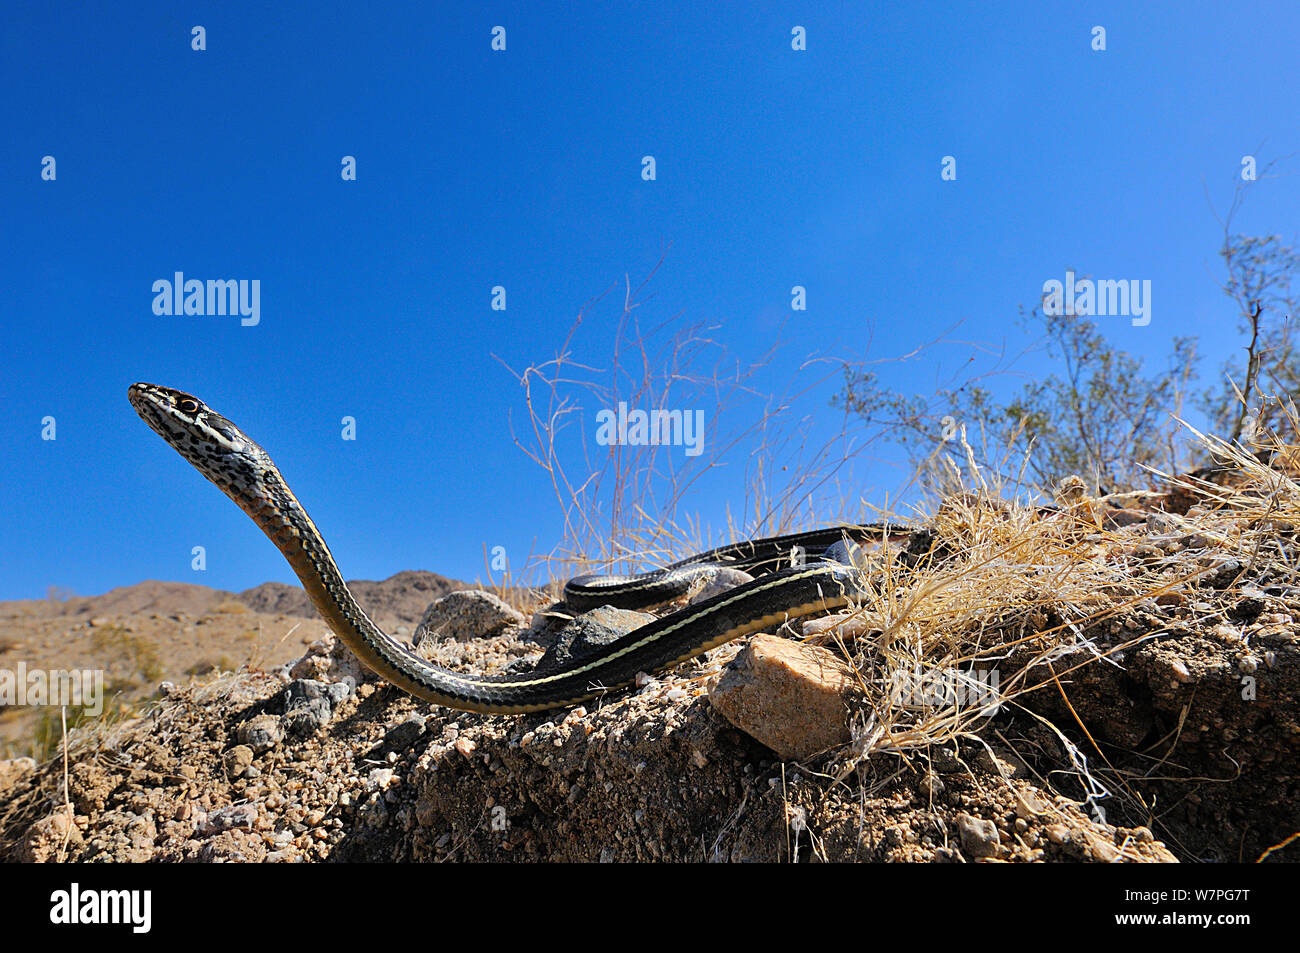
[1008, 604]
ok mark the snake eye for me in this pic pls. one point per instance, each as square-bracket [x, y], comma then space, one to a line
[189, 406]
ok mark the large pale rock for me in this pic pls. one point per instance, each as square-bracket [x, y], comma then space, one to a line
[789, 696]
[466, 615]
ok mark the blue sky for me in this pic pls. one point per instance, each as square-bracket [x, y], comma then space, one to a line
[522, 169]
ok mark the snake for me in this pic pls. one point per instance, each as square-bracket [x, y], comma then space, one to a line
[786, 585]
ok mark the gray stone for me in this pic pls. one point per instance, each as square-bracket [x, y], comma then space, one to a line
[306, 718]
[301, 689]
[400, 737]
[979, 838]
[340, 690]
[261, 733]
[308, 704]
[229, 818]
[591, 631]
[1163, 523]
[720, 580]
[465, 615]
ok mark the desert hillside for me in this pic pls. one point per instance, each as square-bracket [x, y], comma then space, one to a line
[1144, 707]
[155, 632]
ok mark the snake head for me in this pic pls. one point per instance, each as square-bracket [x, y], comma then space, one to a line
[221, 451]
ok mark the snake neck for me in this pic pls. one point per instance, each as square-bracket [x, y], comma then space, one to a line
[282, 518]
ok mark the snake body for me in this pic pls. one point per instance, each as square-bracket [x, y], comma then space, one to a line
[245, 472]
[754, 556]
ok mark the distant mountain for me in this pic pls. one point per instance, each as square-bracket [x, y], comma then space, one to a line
[402, 597]
[148, 597]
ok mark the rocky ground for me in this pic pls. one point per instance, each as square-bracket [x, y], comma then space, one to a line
[1147, 710]
[656, 775]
